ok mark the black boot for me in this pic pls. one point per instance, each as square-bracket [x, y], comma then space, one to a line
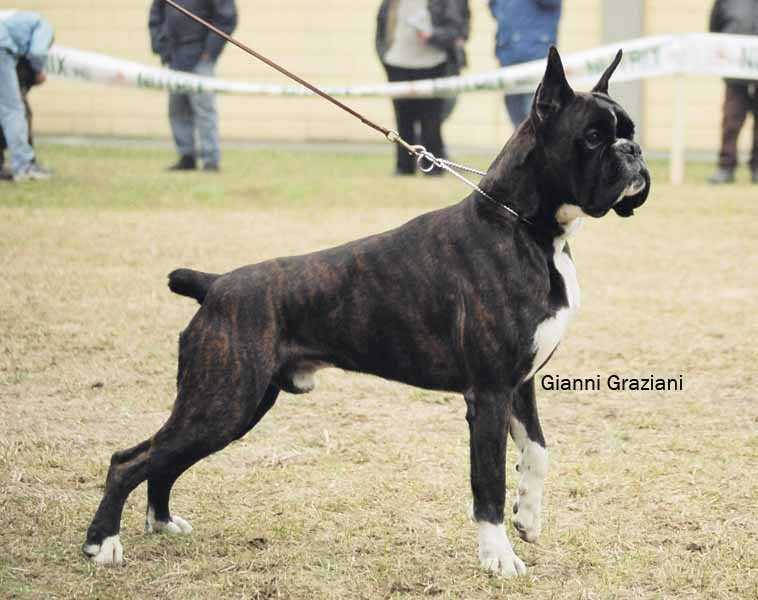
[186, 163]
[722, 175]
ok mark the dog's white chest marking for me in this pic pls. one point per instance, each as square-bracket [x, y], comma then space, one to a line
[549, 332]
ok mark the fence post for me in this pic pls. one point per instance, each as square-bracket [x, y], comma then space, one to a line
[678, 132]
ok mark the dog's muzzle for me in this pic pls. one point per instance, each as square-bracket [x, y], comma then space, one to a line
[638, 188]
[635, 195]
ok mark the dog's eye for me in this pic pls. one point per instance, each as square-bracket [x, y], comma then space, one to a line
[593, 137]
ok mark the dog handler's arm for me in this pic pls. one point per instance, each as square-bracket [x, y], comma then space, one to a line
[448, 24]
[39, 45]
[225, 18]
[716, 21]
[155, 24]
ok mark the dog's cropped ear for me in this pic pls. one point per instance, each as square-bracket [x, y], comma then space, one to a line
[602, 85]
[554, 92]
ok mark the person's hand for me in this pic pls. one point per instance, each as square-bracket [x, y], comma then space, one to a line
[40, 77]
[423, 36]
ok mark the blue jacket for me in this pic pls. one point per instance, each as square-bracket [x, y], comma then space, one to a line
[525, 28]
[180, 41]
[26, 34]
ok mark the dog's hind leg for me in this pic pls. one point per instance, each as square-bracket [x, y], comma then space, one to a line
[209, 413]
[532, 463]
[127, 470]
[487, 415]
[159, 517]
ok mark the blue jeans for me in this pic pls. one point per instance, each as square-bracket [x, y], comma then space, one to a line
[196, 111]
[13, 116]
[518, 106]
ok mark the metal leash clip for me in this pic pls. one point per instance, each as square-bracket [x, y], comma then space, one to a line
[421, 154]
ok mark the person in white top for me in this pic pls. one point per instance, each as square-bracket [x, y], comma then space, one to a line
[414, 40]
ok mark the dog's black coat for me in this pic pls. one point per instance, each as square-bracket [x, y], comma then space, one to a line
[449, 301]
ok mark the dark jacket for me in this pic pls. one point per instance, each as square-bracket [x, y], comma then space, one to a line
[735, 16]
[525, 29]
[180, 41]
[450, 22]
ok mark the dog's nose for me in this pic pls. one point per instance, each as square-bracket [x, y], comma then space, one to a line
[630, 147]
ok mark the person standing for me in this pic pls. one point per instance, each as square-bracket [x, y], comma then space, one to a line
[741, 96]
[22, 35]
[525, 31]
[456, 57]
[185, 45]
[413, 39]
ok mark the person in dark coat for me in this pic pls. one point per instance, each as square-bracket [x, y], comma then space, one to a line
[525, 31]
[741, 97]
[185, 45]
[413, 41]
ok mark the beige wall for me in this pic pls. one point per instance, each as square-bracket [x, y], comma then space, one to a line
[329, 42]
[704, 94]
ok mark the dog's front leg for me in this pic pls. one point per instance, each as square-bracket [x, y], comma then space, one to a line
[487, 415]
[532, 464]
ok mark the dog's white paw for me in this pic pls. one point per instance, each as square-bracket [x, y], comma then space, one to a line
[109, 552]
[527, 515]
[495, 552]
[176, 526]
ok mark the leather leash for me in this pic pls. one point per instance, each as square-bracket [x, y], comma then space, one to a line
[420, 152]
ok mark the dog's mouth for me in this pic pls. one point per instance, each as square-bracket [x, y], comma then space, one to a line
[634, 195]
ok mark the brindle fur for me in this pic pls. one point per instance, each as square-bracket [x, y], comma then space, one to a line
[449, 301]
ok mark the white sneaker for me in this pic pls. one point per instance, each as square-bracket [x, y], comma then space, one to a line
[33, 172]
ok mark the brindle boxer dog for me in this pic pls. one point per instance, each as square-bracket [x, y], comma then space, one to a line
[466, 299]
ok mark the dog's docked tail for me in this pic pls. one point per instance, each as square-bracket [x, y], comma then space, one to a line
[191, 283]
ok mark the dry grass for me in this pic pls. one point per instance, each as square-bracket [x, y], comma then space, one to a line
[359, 489]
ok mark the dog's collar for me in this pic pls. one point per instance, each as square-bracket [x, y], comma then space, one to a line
[501, 208]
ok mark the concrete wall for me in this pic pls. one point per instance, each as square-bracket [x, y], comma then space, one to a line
[330, 43]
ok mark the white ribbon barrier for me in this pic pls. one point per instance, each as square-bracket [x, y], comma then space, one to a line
[731, 56]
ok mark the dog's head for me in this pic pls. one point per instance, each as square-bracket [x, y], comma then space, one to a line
[587, 147]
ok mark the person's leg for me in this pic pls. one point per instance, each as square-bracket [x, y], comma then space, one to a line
[28, 113]
[13, 117]
[754, 152]
[430, 117]
[448, 106]
[206, 120]
[405, 164]
[183, 129]
[3, 173]
[734, 113]
[452, 69]
[518, 107]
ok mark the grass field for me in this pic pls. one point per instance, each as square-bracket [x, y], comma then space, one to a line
[360, 489]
